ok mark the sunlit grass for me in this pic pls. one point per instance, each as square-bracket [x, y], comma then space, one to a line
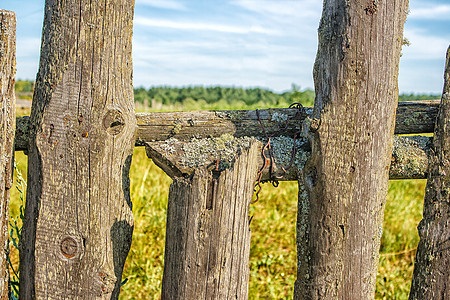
[400, 238]
[273, 249]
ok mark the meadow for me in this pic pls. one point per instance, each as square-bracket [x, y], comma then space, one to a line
[273, 248]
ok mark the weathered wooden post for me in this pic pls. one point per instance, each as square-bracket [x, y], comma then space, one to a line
[344, 183]
[431, 278]
[7, 132]
[78, 221]
[207, 234]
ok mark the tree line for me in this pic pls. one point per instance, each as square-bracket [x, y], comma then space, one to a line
[219, 97]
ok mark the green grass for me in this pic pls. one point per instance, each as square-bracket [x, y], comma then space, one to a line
[400, 238]
[273, 250]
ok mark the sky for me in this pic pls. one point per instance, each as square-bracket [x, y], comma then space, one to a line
[244, 43]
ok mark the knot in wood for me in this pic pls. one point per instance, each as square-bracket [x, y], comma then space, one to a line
[69, 247]
[315, 124]
[371, 8]
[113, 121]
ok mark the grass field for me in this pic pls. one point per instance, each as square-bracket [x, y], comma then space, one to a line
[273, 250]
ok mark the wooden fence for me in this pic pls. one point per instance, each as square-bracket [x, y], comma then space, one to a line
[80, 136]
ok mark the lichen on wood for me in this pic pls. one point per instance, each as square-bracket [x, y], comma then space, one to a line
[198, 152]
[351, 136]
[410, 157]
[181, 158]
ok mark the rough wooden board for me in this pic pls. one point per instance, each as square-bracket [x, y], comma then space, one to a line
[412, 117]
[346, 178]
[78, 221]
[207, 235]
[180, 158]
[416, 116]
[431, 278]
[410, 157]
[7, 131]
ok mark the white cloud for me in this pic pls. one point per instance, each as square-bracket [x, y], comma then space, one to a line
[199, 26]
[236, 62]
[436, 12]
[284, 8]
[424, 45]
[294, 19]
[168, 4]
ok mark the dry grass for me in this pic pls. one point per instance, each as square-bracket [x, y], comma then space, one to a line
[273, 250]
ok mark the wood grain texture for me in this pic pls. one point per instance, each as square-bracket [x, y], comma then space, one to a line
[207, 232]
[412, 117]
[346, 179]
[78, 222]
[7, 131]
[431, 278]
[181, 158]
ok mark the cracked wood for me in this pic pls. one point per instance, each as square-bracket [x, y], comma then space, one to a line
[78, 220]
[7, 131]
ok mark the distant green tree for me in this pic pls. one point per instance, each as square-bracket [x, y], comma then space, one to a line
[215, 97]
[140, 94]
[24, 86]
[415, 97]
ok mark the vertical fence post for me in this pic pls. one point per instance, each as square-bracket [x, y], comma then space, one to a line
[78, 221]
[7, 131]
[207, 234]
[351, 133]
[431, 278]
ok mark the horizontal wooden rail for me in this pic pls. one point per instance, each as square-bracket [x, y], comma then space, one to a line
[168, 134]
[412, 117]
[181, 158]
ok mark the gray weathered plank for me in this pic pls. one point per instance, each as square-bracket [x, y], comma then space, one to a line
[431, 278]
[346, 178]
[181, 158]
[412, 117]
[207, 234]
[78, 220]
[7, 131]
[161, 130]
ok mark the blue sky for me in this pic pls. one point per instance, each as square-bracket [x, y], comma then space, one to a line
[245, 43]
